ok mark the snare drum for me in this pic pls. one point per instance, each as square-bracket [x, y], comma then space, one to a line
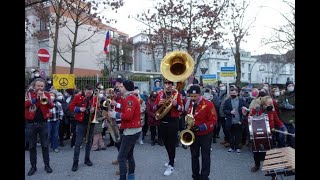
[260, 133]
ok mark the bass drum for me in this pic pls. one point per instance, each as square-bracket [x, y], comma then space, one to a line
[260, 133]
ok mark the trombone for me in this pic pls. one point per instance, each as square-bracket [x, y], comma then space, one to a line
[94, 121]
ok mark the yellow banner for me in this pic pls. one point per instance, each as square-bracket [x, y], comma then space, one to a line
[209, 81]
[63, 81]
[227, 74]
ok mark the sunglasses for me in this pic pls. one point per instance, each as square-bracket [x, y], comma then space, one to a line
[168, 82]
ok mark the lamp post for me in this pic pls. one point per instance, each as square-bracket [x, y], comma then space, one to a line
[151, 80]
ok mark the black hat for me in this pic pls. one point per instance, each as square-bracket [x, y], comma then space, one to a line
[129, 85]
[120, 80]
[288, 82]
[166, 80]
[194, 89]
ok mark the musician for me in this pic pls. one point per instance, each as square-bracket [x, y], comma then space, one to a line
[36, 115]
[205, 117]
[274, 121]
[169, 123]
[83, 105]
[131, 125]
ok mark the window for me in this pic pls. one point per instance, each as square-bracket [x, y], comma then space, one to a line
[218, 65]
[291, 69]
[283, 70]
[271, 79]
[242, 65]
[43, 25]
[262, 68]
[218, 75]
[249, 67]
[249, 76]
[242, 75]
[266, 80]
[225, 64]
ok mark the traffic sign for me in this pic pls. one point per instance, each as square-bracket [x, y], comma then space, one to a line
[63, 81]
[43, 55]
[228, 71]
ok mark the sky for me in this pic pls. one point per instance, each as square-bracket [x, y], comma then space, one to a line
[267, 12]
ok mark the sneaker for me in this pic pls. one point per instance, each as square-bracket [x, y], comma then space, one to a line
[141, 142]
[230, 150]
[115, 162]
[56, 150]
[238, 151]
[168, 171]
[166, 164]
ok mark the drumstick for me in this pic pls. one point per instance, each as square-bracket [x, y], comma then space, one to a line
[283, 132]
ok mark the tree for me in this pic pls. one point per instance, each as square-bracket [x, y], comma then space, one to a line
[186, 24]
[82, 13]
[283, 38]
[239, 27]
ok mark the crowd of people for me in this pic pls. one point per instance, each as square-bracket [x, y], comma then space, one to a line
[58, 116]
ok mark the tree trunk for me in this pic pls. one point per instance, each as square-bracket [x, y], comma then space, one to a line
[154, 59]
[74, 44]
[238, 64]
[55, 46]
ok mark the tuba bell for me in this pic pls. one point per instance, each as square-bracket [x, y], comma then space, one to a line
[176, 66]
[187, 136]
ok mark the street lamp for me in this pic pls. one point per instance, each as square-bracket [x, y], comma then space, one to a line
[151, 80]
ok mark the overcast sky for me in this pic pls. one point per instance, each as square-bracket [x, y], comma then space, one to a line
[268, 17]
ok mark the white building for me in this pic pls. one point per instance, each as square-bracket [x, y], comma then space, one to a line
[90, 59]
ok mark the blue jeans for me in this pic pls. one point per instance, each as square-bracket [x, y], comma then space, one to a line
[80, 132]
[53, 133]
[126, 154]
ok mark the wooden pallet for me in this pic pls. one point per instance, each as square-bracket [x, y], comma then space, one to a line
[280, 159]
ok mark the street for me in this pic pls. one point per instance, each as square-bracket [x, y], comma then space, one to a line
[150, 162]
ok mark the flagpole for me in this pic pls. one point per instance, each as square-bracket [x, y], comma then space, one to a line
[110, 60]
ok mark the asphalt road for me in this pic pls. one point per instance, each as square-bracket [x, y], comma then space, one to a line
[150, 162]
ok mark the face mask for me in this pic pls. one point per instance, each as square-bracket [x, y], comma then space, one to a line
[66, 94]
[222, 88]
[52, 98]
[233, 96]
[254, 94]
[206, 96]
[277, 93]
[265, 87]
[101, 87]
[262, 94]
[36, 75]
[49, 82]
[100, 95]
[214, 91]
[59, 97]
[269, 108]
[291, 88]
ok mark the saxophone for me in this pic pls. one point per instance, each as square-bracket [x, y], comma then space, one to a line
[166, 107]
[111, 123]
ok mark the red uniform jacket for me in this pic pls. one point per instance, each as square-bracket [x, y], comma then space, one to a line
[175, 111]
[45, 108]
[118, 100]
[204, 114]
[130, 112]
[273, 118]
[80, 101]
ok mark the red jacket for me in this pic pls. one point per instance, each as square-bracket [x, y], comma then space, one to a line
[175, 111]
[273, 118]
[80, 101]
[204, 114]
[130, 112]
[151, 113]
[29, 116]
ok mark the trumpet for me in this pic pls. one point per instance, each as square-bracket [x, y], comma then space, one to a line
[43, 99]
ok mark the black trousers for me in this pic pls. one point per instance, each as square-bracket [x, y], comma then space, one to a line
[235, 136]
[33, 129]
[217, 127]
[73, 124]
[80, 131]
[169, 130]
[258, 156]
[154, 132]
[201, 144]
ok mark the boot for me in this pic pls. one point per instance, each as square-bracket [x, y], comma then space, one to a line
[48, 168]
[32, 170]
[255, 168]
[153, 143]
[160, 142]
[88, 162]
[131, 177]
[75, 166]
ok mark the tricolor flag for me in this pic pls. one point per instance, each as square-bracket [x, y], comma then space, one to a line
[106, 43]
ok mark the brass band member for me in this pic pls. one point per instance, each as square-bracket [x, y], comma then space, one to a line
[205, 117]
[37, 111]
[131, 125]
[83, 105]
[169, 123]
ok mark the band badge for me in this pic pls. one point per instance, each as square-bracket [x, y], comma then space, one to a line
[130, 103]
[212, 111]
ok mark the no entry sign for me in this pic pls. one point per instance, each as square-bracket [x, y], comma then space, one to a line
[43, 55]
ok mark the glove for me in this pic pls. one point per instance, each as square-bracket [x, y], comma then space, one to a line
[195, 128]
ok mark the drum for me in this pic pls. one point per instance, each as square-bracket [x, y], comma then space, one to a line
[260, 133]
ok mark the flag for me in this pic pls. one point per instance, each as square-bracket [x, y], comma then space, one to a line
[106, 43]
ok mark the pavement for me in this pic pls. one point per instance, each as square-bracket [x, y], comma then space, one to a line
[150, 162]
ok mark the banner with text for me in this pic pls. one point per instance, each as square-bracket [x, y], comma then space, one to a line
[228, 71]
[209, 78]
